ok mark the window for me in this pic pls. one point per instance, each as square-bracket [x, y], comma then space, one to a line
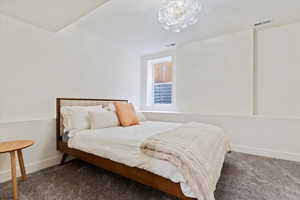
[160, 82]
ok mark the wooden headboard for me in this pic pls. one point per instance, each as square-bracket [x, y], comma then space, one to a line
[60, 102]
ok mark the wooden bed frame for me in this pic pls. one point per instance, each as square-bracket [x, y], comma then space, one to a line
[142, 176]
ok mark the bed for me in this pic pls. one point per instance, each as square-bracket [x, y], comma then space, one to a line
[117, 149]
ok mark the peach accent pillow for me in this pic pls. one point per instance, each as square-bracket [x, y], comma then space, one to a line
[126, 114]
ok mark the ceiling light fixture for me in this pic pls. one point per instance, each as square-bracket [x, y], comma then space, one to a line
[176, 15]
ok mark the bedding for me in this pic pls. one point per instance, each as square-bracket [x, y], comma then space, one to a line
[77, 117]
[197, 150]
[67, 134]
[122, 144]
[126, 114]
[100, 120]
[75, 120]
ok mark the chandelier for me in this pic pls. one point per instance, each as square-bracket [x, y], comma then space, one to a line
[176, 15]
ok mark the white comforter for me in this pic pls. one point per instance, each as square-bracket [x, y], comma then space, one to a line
[123, 145]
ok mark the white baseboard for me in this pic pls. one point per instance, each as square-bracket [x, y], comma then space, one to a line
[36, 166]
[31, 167]
[266, 152]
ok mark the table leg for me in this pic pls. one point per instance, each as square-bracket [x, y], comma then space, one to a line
[14, 174]
[22, 166]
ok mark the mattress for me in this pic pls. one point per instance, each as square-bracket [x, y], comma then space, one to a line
[122, 144]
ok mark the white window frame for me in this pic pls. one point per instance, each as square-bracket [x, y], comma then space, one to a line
[149, 61]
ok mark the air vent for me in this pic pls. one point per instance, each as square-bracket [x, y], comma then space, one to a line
[262, 23]
[171, 45]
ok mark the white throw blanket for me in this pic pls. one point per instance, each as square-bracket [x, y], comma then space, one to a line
[197, 150]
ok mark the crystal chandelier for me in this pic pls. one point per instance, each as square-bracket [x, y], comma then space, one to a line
[176, 15]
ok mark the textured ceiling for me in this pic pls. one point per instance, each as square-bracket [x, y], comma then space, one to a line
[52, 15]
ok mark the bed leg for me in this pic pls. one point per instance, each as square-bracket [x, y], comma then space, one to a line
[63, 159]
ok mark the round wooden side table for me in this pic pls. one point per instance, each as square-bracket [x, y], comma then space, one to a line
[12, 147]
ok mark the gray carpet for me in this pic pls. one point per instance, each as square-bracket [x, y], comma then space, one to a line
[244, 177]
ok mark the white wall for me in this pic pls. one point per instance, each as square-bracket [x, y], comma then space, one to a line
[240, 73]
[37, 66]
[278, 71]
[215, 75]
[247, 85]
[265, 136]
[41, 155]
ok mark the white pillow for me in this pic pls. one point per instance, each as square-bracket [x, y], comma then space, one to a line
[76, 120]
[103, 119]
[77, 117]
[141, 116]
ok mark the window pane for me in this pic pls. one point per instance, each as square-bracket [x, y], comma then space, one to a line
[162, 73]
